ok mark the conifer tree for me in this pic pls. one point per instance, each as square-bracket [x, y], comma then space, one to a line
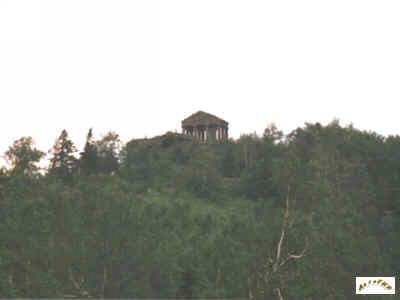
[89, 157]
[63, 161]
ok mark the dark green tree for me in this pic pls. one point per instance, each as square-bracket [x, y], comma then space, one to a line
[108, 148]
[327, 210]
[23, 156]
[63, 161]
[201, 176]
[88, 162]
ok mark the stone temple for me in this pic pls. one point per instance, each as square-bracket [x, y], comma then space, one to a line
[205, 127]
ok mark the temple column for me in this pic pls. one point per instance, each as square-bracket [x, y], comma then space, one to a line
[211, 135]
[201, 132]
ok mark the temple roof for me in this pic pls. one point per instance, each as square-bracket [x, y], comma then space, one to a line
[203, 118]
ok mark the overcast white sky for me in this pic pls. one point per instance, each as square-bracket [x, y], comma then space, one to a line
[140, 67]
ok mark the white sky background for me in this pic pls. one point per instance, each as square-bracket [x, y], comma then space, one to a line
[140, 67]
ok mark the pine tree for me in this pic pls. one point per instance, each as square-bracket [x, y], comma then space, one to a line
[63, 162]
[88, 162]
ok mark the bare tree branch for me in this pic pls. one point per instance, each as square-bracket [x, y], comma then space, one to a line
[278, 291]
[274, 262]
[296, 256]
[283, 233]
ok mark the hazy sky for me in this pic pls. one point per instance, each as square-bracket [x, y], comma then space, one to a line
[140, 67]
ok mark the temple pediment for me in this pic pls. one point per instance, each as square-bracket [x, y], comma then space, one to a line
[205, 127]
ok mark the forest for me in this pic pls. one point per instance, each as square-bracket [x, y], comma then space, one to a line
[268, 216]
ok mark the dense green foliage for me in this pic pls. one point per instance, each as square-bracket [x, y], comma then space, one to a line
[296, 216]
